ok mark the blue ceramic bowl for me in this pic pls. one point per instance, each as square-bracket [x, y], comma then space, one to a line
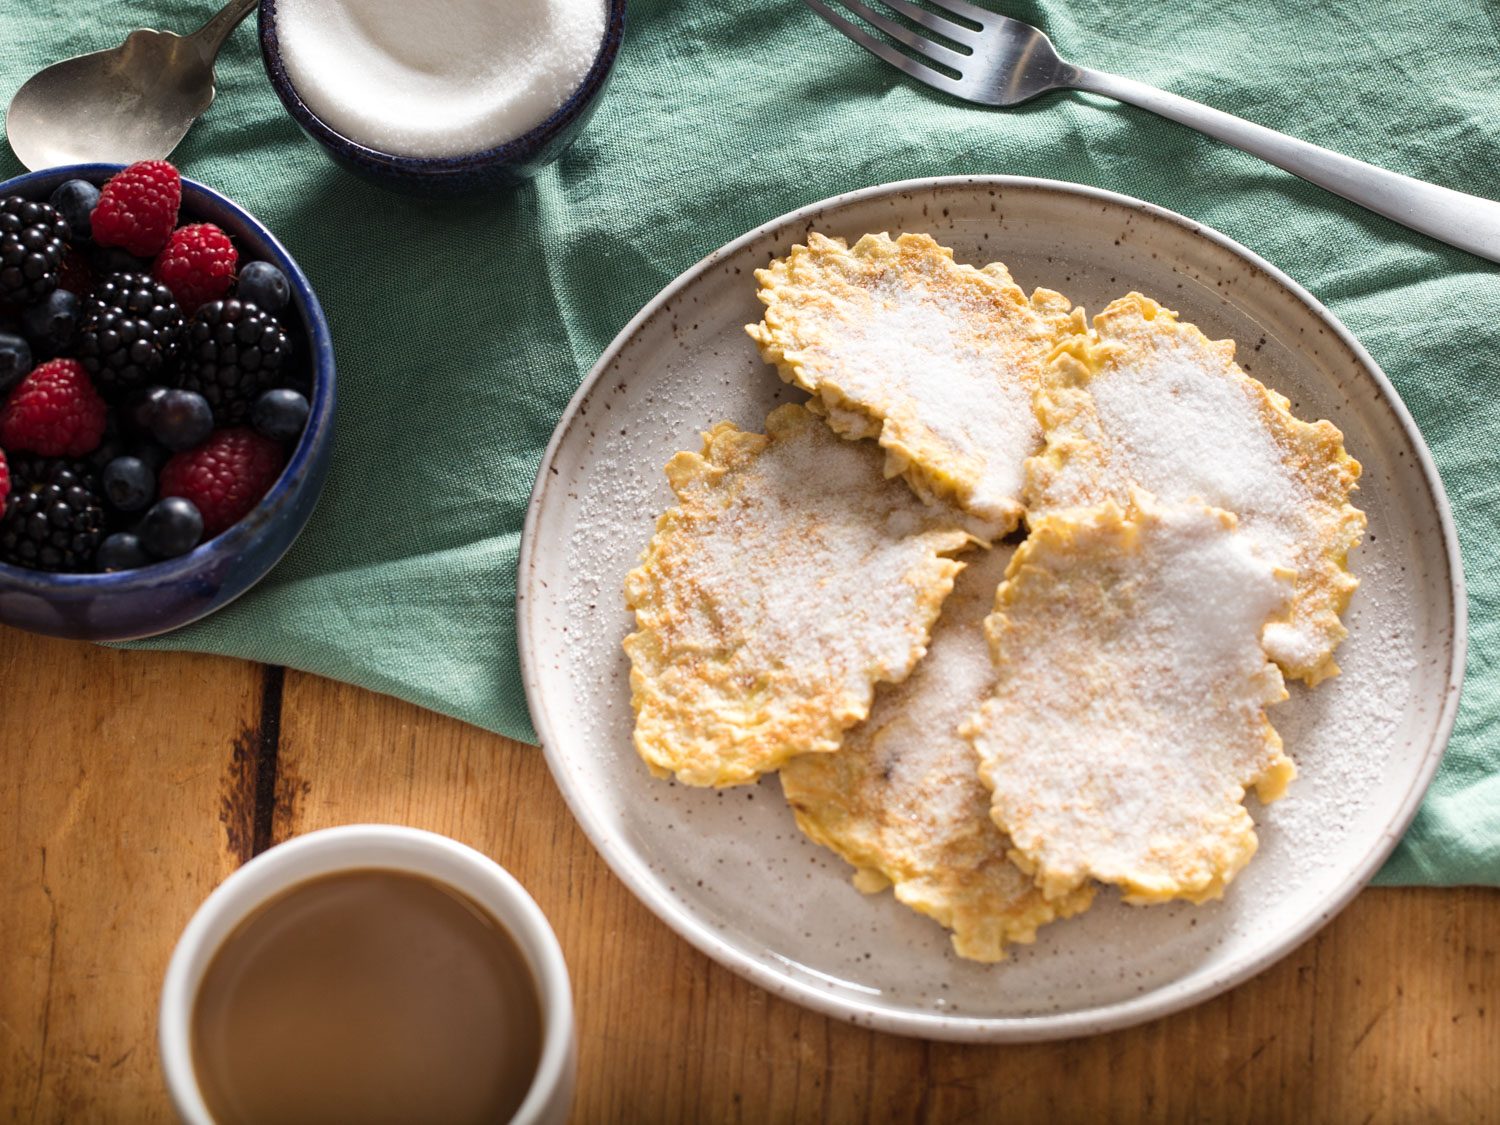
[502, 166]
[155, 599]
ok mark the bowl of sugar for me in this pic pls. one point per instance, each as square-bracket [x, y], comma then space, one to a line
[441, 99]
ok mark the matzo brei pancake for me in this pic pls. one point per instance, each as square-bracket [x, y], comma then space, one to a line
[791, 577]
[902, 800]
[1128, 714]
[935, 359]
[1155, 403]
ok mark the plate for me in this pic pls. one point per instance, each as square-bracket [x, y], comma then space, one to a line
[730, 872]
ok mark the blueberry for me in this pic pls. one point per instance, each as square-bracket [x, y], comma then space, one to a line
[265, 286]
[121, 551]
[51, 322]
[129, 483]
[75, 200]
[170, 527]
[181, 420]
[140, 408]
[279, 414]
[15, 360]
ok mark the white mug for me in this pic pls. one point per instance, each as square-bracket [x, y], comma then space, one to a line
[361, 847]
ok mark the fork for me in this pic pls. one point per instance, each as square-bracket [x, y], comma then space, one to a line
[1001, 61]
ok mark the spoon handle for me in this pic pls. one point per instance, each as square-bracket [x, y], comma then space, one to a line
[210, 37]
[1469, 222]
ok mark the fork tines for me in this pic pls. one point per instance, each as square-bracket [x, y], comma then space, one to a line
[949, 29]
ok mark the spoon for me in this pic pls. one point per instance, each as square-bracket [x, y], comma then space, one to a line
[132, 102]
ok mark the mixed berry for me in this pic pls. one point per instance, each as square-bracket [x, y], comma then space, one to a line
[149, 394]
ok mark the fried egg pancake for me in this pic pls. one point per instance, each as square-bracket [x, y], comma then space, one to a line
[902, 800]
[789, 579]
[937, 360]
[1128, 715]
[1153, 402]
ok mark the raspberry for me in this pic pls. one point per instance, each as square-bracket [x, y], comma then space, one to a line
[138, 208]
[197, 265]
[54, 411]
[224, 477]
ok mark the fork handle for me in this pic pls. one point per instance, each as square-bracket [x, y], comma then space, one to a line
[1467, 221]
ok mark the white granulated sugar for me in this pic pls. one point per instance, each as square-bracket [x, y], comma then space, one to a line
[440, 77]
[1342, 733]
[1187, 435]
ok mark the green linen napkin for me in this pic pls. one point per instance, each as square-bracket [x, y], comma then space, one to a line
[463, 328]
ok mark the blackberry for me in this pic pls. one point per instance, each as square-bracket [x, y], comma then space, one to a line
[55, 517]
[111, 259]
[233, 352]
[130, 334]
[31, 249]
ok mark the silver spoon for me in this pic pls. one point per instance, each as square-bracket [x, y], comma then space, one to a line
[132, 102]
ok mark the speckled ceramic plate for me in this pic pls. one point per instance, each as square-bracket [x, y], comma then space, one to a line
[730, 872]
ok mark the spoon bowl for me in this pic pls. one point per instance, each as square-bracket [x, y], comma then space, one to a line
[131, 102]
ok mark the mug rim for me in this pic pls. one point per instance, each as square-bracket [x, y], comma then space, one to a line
[365, 847]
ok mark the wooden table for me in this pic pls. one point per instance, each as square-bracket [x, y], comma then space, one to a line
[136, 782]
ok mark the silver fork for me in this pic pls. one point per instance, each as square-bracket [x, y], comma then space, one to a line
[1005, 62]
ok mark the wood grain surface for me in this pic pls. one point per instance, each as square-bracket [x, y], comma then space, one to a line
[135, 782]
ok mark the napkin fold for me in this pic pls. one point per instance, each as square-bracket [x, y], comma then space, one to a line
[462, 328]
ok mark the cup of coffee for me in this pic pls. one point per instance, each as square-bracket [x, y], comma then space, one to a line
[369, 973]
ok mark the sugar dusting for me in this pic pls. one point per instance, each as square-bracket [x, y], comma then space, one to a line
[939, 359]
[1341, 734]
[1128, 711]
[614, 516]
[929, 707]
[902, 801]
[439, 77]
[1188, 437]
[812, 564]
[969, 392]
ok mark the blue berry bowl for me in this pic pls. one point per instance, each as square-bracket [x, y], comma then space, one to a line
[472, 173]
[130, 604]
